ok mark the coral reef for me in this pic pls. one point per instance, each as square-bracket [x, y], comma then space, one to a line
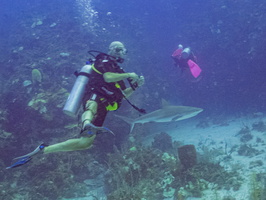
[188, 156]
[53, 99]
[257, 186]
[132, 174]
[203, 174]
[51, 177]
[163, 142]
[36, 76]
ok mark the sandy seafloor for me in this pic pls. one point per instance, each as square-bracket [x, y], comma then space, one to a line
[222, 136]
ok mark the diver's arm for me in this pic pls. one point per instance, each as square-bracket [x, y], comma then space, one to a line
[111, 77]
[128, 91]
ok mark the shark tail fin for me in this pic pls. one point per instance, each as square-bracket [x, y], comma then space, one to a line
[130, 121]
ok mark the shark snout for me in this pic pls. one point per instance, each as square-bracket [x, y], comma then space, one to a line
[196, 111]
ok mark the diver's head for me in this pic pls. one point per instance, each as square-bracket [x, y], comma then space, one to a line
[117, 49]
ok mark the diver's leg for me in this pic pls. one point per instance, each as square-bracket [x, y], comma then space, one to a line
[81, 143]
[69, 145]
[90, 112]
[78, 143]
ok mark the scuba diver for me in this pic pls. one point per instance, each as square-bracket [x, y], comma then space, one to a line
[100, 87]
[185, 59]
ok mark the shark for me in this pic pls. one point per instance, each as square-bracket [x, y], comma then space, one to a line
[168, 113]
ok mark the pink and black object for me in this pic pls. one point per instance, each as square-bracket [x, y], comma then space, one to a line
[184, 58]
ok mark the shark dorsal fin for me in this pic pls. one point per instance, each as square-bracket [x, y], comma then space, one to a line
[165, 103]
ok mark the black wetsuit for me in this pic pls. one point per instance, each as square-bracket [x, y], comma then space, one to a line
[102, 92]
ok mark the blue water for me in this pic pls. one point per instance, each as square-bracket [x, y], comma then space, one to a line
[227, 37]
[228, 43]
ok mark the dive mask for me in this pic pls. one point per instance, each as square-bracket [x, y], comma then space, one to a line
[121, 50]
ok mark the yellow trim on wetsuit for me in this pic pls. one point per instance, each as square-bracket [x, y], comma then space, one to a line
[111, 107]
[117, 85]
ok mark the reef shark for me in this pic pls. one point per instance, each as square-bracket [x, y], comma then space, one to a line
[168, 113]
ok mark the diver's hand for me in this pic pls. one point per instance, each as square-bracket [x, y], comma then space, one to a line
[140, 81]
[133, 76]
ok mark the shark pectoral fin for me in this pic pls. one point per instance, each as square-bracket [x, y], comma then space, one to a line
[132, 127]
[131, 122]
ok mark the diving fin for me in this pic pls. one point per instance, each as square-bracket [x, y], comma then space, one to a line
[26, 158]
[194, 68]
[20, 162]
[91, 130]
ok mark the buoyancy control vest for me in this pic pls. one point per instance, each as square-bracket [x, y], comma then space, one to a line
[110, 91]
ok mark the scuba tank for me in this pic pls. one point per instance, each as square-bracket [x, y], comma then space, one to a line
[74, 100]
[185, 53]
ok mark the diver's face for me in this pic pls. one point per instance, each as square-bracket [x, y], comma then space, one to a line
[118, 52]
